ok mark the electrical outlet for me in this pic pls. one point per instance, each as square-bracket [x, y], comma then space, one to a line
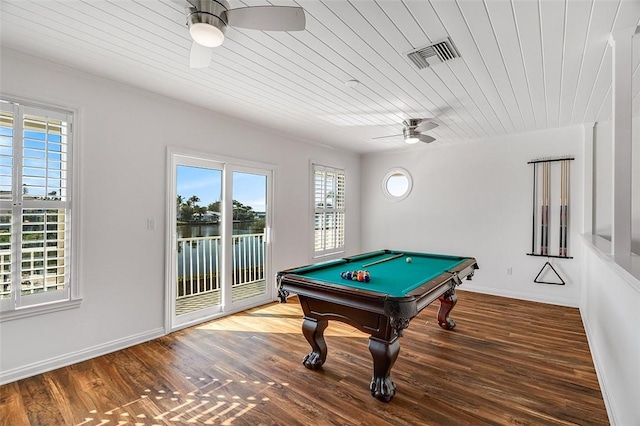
[509, 271]
[151, 223]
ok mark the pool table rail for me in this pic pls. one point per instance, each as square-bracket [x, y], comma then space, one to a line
[297, 283]
[453, 277]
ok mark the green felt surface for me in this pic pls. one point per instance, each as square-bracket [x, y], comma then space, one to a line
[395, 277]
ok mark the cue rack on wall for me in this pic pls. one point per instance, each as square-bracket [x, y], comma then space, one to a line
[550, 211]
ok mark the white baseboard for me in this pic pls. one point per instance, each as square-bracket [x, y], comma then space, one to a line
[74, 357]
[531, 297]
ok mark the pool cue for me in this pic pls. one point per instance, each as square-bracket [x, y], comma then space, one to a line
[542, 211]
[548, 210]
[561, 207]
[544, 237]
[383, 260]
[535, 207]
[564, 208]
[560, 241]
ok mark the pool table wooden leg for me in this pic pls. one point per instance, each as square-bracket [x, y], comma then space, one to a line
[447, 302]
[313, 330]
[384, 356]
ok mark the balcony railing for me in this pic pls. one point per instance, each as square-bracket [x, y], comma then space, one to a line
[198, 269]
[39, 274]
[199, 263]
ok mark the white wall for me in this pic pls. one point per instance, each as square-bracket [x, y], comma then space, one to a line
[611, 316]
[603, 182]
[602, 179]
[611, 289]
[123, 134]
[475, 199]
[635, 184]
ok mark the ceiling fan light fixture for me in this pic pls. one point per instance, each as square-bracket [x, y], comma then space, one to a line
[411, 140]
[410, 135]
[206, 34]
[208, 20]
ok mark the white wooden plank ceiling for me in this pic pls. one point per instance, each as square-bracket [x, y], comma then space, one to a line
[525, 65]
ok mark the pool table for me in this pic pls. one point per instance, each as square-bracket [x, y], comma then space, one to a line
[398, 289]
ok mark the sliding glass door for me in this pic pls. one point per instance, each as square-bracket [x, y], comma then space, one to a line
[248, 235]
[218, 238]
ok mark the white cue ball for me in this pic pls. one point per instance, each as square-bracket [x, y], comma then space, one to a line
[409, 260]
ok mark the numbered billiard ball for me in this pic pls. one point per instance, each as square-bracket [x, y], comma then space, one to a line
[409, 260]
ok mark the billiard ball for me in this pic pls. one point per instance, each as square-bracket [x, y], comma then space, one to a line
[409, 260]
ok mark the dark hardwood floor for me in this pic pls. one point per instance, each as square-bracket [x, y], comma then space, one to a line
[506, 362]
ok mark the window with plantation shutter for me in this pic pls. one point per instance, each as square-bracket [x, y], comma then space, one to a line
[329, 210]
[35, 207]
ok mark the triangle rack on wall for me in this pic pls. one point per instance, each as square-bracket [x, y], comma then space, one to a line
[547, 263]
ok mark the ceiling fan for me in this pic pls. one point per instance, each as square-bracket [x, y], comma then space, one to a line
[208, 20]
[413, 128]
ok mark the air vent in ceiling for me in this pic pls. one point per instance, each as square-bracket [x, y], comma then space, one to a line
[427, 56]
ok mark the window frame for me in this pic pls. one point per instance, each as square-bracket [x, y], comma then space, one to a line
[394, 172]
[70, 297]
[340, 248]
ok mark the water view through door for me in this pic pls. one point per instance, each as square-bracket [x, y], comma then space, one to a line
[248, 238]
[220, 247]
[198, 231]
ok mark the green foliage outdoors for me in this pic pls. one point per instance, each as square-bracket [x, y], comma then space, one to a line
[190, 211]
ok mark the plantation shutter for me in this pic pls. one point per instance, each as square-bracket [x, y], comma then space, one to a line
[35, 206]
[329, 209]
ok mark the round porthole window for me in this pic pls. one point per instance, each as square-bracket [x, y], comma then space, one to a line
[397, 184]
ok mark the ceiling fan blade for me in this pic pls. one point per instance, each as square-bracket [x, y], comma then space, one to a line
[426, 138]
[200, 56]
[426, 125]
[267, 18]
[384, 137]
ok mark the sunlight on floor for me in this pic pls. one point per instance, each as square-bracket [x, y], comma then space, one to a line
[212, 401]
[270, 319]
